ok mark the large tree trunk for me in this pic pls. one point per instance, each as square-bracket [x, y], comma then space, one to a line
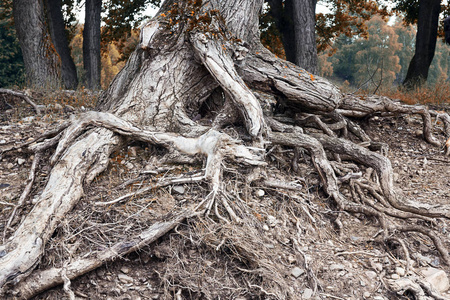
[305, 35]
[91, 43]
[40, 58]
[427, 27]
[212, 52]
[59, 38]
[295, 20]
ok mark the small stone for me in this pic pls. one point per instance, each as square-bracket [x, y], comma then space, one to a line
[291, 259]
[418, 133]
[378, 298]
[307, 294]
[2, 141]
[395, 276]
[125, 270]
[436, 278]
[29, 119]
[371, 274]
[334, 267]
[178, 189]
[58, 106]
[400, 271]
[9, 166]
[271, 221]
[366, 295]
[362, 283]
[396, 177]
[125, 278]
[341, 273]
[265, 227]
[20, 161]
[378, 267]
[4, 185]
[260, 193]
[297, 272]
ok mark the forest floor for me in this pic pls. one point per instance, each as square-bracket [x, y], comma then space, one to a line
[207, 259]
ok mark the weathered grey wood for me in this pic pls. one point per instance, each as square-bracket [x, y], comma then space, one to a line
[45, 279]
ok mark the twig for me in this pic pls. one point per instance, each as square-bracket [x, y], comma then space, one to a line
[162, 183]
[42, 280]
[358, 252]
[405, 250]
[331, 296]
[22, 96]
[282, 185]
[25, 193]
[67, 284]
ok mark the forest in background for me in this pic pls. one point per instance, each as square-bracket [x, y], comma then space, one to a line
[375, 60]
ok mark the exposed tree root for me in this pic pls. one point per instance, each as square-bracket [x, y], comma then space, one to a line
[420, 289]
[44, 279]
[156, 99]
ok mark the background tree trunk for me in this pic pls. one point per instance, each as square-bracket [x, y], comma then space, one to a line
[425, 42]
[40, 58]
[59, 38]
[91, 44]
[283, 16]
[304, 16]
[295, 20]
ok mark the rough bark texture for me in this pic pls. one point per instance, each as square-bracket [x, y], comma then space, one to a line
[304, 16]
[427, 26]
[59, 38]
[40, 58]
[295, 20]
[195, 53]
[91, 43]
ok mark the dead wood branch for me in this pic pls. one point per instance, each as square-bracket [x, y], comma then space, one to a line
[22, 96]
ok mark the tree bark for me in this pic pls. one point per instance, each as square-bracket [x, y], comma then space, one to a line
[91, 44]
[295, 20]
[427, 26]
[283, 16]
[59, 38]
[304, 19]
[39, 55]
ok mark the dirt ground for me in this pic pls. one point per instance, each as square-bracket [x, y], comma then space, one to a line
[289, 240]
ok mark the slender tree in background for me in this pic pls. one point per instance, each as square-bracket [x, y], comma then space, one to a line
[91, 43]
[426, 37]
[59, 37]
[295, 21]
[39, 55]
[298, 23]
[304, 21]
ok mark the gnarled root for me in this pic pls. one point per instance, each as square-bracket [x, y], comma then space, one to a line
[86, 158]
